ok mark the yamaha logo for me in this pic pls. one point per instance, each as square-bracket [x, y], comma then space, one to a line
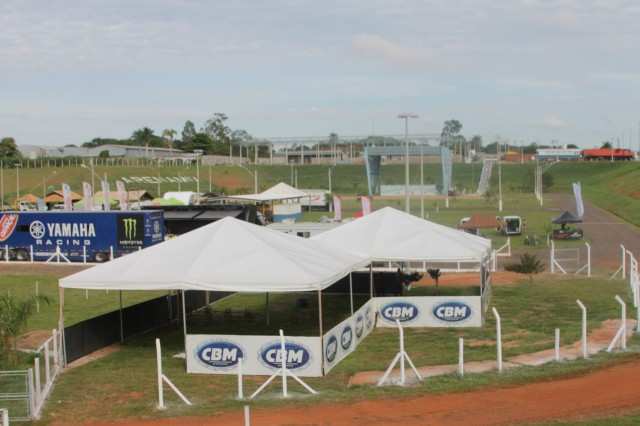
[402, 311]
[219, 355]
[295, 356]
[452, 311]
[347, 337]
[331, 349]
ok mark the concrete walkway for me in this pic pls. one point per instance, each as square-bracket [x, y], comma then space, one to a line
[597, 341]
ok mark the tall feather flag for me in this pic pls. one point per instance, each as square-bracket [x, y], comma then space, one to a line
[122, 195]
[577, 192]
[337, 209]
[366, 206]
[66, 196]
[87, 193]
[105, 194]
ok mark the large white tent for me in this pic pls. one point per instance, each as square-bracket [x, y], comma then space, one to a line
[389, 234]
[227, 255]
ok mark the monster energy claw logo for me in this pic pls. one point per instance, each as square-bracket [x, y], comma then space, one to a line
[130, 228]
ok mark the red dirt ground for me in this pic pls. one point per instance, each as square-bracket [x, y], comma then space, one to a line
[609, 392]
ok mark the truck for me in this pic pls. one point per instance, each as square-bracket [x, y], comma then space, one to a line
[77, 236]
[512, 225]
[318, 199]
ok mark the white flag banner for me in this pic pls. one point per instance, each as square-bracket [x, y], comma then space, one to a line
[337, 209]
[66, 195]
[577, 191]
[366, 206]
[122, 195]
[105, 194]
[87, 193]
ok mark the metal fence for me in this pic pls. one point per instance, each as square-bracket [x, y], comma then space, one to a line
[16, 394]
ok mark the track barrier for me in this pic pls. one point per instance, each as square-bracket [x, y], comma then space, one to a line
[498, 338]
[285, 372]
[584, 328]
[621, 335]
[401, 356]
[163, 378]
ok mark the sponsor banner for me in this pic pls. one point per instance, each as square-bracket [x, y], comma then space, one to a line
[66, 195]
[337, 209]
[122, 195]
[105, 195]
[366, 206]
[261, 355]
[430, 311]
[131, 231]
[343, 339]
[88, 196]
[8, 223]
[577, 192]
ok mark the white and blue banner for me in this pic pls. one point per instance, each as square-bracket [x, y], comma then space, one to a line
[343, 339]
[261, 355]
[577, 192]
[430, 311]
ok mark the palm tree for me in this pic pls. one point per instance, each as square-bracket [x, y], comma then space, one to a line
[167, 136]
[14, 315]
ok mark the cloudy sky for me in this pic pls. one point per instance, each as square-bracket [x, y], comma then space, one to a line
[526, 70]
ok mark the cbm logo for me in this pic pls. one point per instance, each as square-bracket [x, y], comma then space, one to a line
[331, 349]
[402, 311]
[368, 317]
[452, 311]
[219, 355]
[295, 356]
[347, 337]
[359, 326]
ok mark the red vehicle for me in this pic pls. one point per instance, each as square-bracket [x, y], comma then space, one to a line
[608, 154]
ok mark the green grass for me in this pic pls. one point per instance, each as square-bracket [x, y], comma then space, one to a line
[529, 316]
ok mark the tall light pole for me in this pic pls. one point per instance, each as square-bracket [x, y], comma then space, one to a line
[499, 180]
[406, 117]
[18, 180]
[255, 177]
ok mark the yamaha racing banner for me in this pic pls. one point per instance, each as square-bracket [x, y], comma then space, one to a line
[430, 311]
[122, 195]
[88, 196]
[343, 339]
[261, 355]
[337, 209]
[366, 205]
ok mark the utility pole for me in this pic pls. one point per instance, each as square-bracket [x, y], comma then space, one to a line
[406, 117]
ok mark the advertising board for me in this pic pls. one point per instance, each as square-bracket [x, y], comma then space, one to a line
[430, 311]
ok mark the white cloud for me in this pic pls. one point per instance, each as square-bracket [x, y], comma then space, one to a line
[377, 46]
[548, 122]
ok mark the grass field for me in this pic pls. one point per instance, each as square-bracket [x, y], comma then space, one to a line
[530, 314]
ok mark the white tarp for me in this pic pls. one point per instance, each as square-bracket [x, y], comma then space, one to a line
[227, 255]
[390, 235]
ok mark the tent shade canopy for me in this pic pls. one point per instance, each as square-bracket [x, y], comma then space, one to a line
[391, 235]
[279, 192]
[566, 217]
[227, 255]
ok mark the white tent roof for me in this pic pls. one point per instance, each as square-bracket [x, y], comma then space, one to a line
[281, 191]
[227, 255]
[389, 234]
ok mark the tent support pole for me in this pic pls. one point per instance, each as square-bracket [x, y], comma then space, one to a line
[351, 290]
[320, 310]
[121, 321]
[267, 308]
[61, 326]
[371, 280]
[184, 320]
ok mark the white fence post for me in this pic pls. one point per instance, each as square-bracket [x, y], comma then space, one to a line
[557, 344]
[584, 328]
[461, 356]
[240, 394]
[498, 338]
[159, 363]
[623, 326]
[551, 255]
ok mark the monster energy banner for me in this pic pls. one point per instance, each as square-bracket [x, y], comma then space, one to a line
[130, 232]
